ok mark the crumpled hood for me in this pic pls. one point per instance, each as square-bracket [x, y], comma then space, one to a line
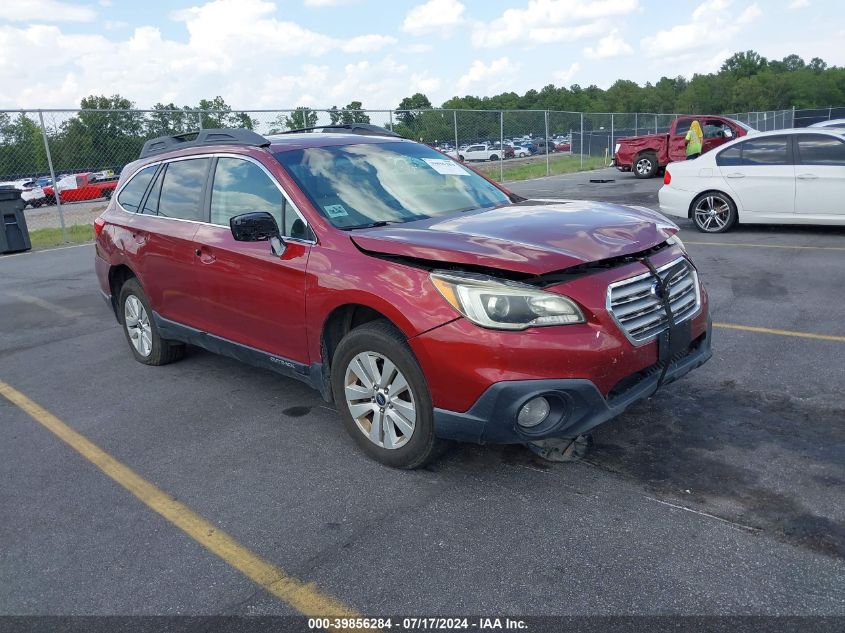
[527, 238]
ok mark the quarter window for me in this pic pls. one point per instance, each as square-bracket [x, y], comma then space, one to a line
[131, 194]
[182, 188]
[730, 157]
[819, 149]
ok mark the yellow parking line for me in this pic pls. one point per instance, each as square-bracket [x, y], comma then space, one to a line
[786, 246]
[766, 330]
[305, 597]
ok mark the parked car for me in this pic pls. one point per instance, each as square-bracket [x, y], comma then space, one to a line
[781, 177]
[79, 187]
[532, 149]
[31, 193]
[830, 123]
[646, 155]
[520, 152]
[426, 301]
[544, 146]
[481, 151]
[562, 146]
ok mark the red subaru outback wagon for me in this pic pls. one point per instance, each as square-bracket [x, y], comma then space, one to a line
[427, 302]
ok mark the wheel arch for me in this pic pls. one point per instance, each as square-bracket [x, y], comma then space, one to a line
[119, 274]
[339, 322]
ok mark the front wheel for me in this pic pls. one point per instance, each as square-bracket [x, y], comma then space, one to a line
[382, 396]
[713, 212]
[494, 157]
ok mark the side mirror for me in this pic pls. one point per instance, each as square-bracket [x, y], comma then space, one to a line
[257, 227]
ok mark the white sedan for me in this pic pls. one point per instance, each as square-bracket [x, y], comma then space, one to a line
[781, 177]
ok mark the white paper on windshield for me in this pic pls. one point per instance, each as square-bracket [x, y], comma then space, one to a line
[446, 167]
[335, 210]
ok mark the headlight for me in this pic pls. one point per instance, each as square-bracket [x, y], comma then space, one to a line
[505, 305]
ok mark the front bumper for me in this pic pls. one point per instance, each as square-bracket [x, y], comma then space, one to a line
[577, 404]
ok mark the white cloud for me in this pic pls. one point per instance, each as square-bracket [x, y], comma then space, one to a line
[564, 77]
[435, 16]
[488, 77]
[49, 11]
[547, 21]
[798, 4]
[611, 45]
[714, 23]
[419, 48]
[325, 3]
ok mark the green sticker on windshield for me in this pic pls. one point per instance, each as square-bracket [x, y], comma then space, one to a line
[335, 210]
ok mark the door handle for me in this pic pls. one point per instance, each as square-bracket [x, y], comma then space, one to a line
[807, 176]
[736, 175]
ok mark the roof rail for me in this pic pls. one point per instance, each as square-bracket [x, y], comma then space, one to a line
[223, 136]
[350, 128]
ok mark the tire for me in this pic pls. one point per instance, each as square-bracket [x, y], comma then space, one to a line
[362, 354]
[713, 212]
[494, 157]
[460, 158]
[645, 166]
[144, 340]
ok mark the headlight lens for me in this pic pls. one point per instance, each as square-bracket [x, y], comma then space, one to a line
[505, 305]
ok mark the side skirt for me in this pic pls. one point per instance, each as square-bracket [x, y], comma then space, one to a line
[312, 374]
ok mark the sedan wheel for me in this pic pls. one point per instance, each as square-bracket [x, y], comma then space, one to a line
[713, 213]
[380, 400]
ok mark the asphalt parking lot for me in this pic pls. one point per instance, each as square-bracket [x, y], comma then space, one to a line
[723, 494]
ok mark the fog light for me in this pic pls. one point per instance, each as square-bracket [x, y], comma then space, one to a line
[533, 412]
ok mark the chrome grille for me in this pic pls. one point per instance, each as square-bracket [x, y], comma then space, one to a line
[639, 312]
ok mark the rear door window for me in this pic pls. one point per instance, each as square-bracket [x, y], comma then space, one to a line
[769, 150]
[820, 149]
[182, 189]
[132, 193]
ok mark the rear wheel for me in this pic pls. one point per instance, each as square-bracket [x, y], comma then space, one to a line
[140, 329]
[382, 396]
[645, 166]
[713, 212]
[494, 157]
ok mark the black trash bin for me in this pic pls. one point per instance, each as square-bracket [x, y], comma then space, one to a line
[14, 236]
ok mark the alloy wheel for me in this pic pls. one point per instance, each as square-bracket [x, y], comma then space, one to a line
[712, 213]
[138, 325]
[380, 400]
[643, 166]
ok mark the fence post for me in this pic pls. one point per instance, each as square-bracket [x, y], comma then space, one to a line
[391, 120]
[655, 124]
[636, 126]
[455, 116]
[581, 148]
[501, 145]
[548, 168]
[53, 176]
[793, 117]
[610, 149]
[829, 112]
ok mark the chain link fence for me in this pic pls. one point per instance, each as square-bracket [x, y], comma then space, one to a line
[75, 147]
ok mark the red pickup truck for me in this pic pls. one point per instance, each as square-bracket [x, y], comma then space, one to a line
[647, 155]
[79, 187]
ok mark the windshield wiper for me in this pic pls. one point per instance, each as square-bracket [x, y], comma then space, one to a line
[377, 223]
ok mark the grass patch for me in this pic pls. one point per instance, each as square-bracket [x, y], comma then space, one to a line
[48, 238]
[535, 167]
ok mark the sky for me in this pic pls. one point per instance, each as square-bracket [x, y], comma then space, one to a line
[318, 53]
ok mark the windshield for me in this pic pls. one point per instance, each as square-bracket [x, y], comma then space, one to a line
[370, 184]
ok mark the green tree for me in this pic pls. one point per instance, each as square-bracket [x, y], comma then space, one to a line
[410, 107]
[352, 113]
[744, 64]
